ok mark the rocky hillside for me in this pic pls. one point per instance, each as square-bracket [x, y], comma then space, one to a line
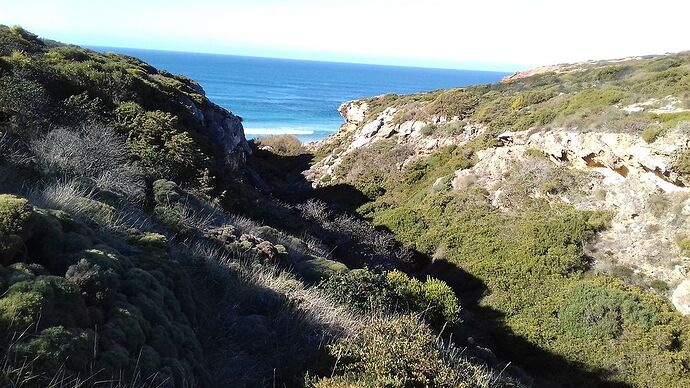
[627, 152]
[170, 124]
[557, 200]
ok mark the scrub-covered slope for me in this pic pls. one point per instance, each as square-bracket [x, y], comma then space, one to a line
[555, 203]
[122, 266]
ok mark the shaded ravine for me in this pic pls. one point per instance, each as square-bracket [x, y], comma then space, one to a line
[483, 332]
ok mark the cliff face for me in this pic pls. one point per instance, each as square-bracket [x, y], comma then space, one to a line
[226, 128]
[606, 164]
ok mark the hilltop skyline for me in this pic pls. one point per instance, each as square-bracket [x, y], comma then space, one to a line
[499, 35]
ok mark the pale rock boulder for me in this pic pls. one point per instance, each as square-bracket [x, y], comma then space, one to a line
[681, 297]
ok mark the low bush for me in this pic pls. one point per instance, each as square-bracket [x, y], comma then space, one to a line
[684, 247]
[428, 130]
[453, 103]
[682, 163]
[602, 312]
[156, 141]
[285, 145]
[398, 352]
[92, 151]
[368, 168]
[367, 291]
[652, 133]
[14, 214]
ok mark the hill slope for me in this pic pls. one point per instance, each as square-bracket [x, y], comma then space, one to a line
[555, 204]
[121, 263]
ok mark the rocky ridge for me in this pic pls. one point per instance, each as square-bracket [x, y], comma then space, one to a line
[356, 133]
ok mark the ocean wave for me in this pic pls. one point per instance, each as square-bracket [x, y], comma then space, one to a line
[277, 131]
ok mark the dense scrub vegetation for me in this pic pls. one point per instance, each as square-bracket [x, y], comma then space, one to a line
[368, 291]
[587, 97]
[47, 84]
[119, 265]
[521, 271]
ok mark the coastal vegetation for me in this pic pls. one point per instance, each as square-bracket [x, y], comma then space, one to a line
[128, 258]
[521, 269]
[143, 243]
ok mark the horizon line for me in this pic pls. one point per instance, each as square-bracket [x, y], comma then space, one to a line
[96, 46]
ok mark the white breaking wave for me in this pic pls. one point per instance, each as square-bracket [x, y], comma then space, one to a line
[277, 131]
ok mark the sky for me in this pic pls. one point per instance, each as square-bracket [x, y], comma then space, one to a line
[504, 35]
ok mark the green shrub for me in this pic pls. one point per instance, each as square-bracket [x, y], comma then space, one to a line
[652, 133]
[684, 246]
[442, 303]
[682, 163]
[104, 258]
[394, 291]
[604, 312]
[671, 120]
[662, 64]
[368, 168]
[15, 216]
[15, 213]
[316, 269]
[398, 352]
[18, 310]
[52, 299]
[57, 347]
[530, 98]
[594, 97]
[659, 285]
[285, 145]
[165, 192]
[428, 130]
[459, 103]
[97, 286]
[534, 153]
[609, 73]
[156, 141]
[361, 289]
[16, 39]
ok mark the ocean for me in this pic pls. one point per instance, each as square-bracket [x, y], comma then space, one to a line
[282, 96]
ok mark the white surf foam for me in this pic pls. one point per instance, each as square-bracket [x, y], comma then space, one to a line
[277, 131]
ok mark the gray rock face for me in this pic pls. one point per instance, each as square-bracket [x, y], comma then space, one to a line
[227, 129]
[225, 126]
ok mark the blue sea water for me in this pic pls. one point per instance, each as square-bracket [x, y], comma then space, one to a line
[281, 96]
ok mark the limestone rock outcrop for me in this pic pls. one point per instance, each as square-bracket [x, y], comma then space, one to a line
[617, 172]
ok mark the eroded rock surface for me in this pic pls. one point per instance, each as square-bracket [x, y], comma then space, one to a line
[613, 171]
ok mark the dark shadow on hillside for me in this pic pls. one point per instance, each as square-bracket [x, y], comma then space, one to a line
[280, 175]
[262, 341]
[341, 197]
[482, 327]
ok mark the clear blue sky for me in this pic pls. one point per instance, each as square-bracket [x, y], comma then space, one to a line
[486, 34]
